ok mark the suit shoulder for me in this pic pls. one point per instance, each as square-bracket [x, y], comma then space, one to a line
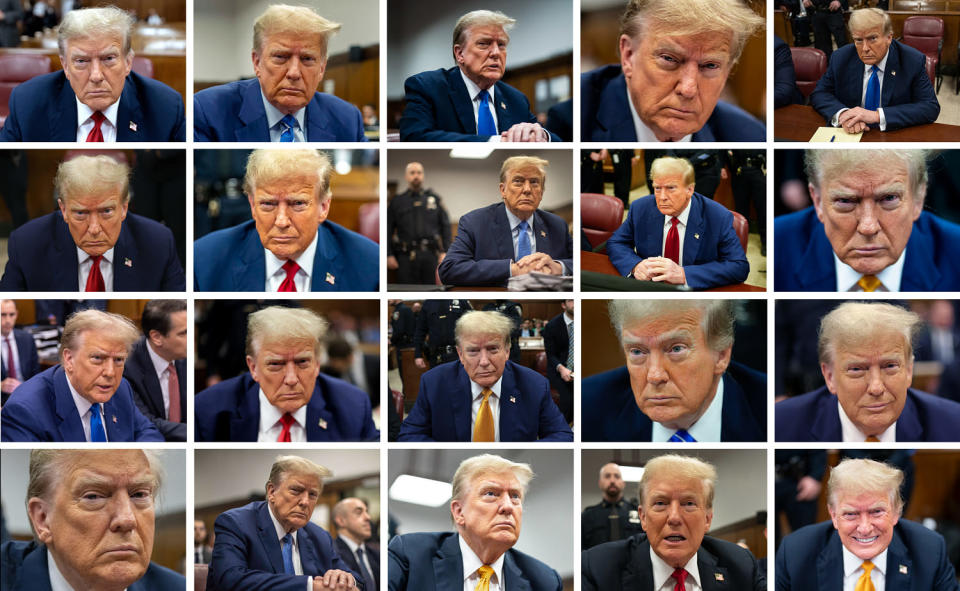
[933, 405]
[481, 214]
[351, 240]
[334, 103]
[606, 384]
[46, 84]
[337, 389]
[225, 394]
[600, 77]
[221, 93]
[731, 123]
[526, 374]
[430, 77]
[533, 568]
[214, 243]
[802, 403]
[797, 223]
[148, 88]
[160, 578]
[421, 545]
[144, 225]
[728, 551]
[937, 227]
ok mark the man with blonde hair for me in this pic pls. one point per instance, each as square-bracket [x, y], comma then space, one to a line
[867, 544]
[675, 57]
[484, 396]
[91, 243]
[875, 82]
[289, 245]
[866, 357]
[97, 97]
[511, 238]
[487, 509]
[469, 102]
[677, 236]
[84, 397]
[282, 104]
[284, 397]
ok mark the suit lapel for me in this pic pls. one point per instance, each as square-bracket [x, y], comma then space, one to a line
[150, 381]
[541, 233]
[909, 427]
[502, 232]
[737, 422]
[448, 566]
[830, 565]
[115, 422]
[346, 555]
[252, 115]
[125, 256]
[508, 408]
[63, 119]
[33, 575]
[461, 100]
[70, 426]
[826, 427]
[316, 123]
[899, 565]
[320, 423]
[248, 270]
[919, 271]
[819, 272]
[129, 116]
[504, 119]
[65, 268]
[461, 406]
[268, 537]
[653, 241]
[245, 425]
[613, 113]
[890, 75]
[695, 224]
[308, 553]
[326, 262]
[712, 576]
[637, 574]
[513, 576]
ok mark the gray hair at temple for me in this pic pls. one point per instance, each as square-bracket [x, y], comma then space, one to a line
[676, 465]
[854, 323]
[717, 318]
[91, 175]
[284, 466]
[827, 164]
[865, 19]
[301, 21]
[483, 323]
[267, 166]
[96, 23]
[480, 18]
[278, 324]
[679, 18]
[472, 468]
[118, 328]
[853, 477]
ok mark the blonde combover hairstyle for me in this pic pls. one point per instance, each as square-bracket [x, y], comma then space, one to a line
[717, 320]
[670, 165]
[91, 175]
[515, 162]
[267, 166]
[853, 477]
[472, 468]
[679, 18]
[278, 324]
[854, 323]
[680, 466]
[298, 20]
[118, 328]
[480, 18]
[864, 19]
[90, 23]
[286, 465]
[827, 164]
[483, 323]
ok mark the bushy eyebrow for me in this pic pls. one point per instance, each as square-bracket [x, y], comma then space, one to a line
[679, 334]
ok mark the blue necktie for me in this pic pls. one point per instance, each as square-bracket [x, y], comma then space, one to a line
[681, 436]
[523, 241]
[290, 122]
[872, 101]
[286, 548]
[485, 124]
[97, 432]
[368, 580]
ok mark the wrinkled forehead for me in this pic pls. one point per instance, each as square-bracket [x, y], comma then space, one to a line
[872, 340]
[485, 31]
[297, 478]
[672, 485]
[691, 41]
[664, 324]
[283, 182]
[95, 45]
[283, 346]
[852, 170]
[481, 339]
[527, 171]
[108, 468]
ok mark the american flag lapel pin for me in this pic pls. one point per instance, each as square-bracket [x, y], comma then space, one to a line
[322, 424]
[114, 417]
[127, 262]
[513, 399]
[718, 577]
[503, 105]
[330, 279]
[543, 234]
[893, 73]
[697, 236]
[903, 569]
[133, 126]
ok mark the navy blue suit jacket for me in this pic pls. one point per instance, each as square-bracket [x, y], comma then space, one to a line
[433, 561]
[44, 109]
[812, 558]
[605, 114]
[804, 260]
[234, 113]
[350, 559]
[27, 353]
[232, 259]
[42, 409]
[230, 411]
[906, 97]
[483, 248]
[24, 568]
[246, 553]
[625, 565]
[610, 411]
[813, 417]
[439, 109]
[712, 255]
[43, 257]
[442, 410]
[142, 376]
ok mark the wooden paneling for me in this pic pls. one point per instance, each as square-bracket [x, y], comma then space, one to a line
[748, 530]
[132, 309]
[525, 79]
[169, 10]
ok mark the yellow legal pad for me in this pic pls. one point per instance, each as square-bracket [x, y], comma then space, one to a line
[835, 134]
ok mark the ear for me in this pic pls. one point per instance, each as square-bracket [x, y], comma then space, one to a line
[827, 370]
[154, 337]
[123, 210]
[709, 516]
[456, 509]
[460, 355]
[323, 70]
[128, 63]
[324, 208]
[252, 366]
[723, 361]
[255, 57]
[503, 190]
[60, 203]
[833, 517]
[918, 201]
[38, 511]
[643, 517]
[626, 55]
[67, 359]
[817, 204]
[458, 53]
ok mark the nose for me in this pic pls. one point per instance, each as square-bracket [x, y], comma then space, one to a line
[868, 224]
[484, 358]
[688, 83]
[656, 372]
[506, 504]
[293, 70]
[290, 374]
[94, 227]
[109, 368]
[124, 517]
[282, 220]
[96, 71]
[673, 513]
[496, 50]
[875, 382]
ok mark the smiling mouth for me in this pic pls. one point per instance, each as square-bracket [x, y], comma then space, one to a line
[865, 540]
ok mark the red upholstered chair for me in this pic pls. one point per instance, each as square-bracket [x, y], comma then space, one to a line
[143, 66]
[200, 576]
[810, 64]
[369, 220]
[931, 65]
[600, 216]
[742, 227]
[397, 398]
[925, 34]
[14, 69]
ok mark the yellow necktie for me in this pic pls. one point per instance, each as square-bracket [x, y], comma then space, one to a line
[869, 283]
[485, 572]
[872, 439]
[864, 583]
[483, 431]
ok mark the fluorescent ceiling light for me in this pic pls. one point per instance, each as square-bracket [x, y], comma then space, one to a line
[477, 151]
[420, 491]
[631, 473]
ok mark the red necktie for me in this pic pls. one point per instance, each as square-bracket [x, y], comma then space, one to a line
[679, 574]
[95, 279]
[291, 267]
[671, 249]
[11, 366]
[173, 389]
[96, 135]
[287, 421]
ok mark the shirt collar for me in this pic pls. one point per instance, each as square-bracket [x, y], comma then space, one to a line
[84, 112]
[850, 432]
[270, 414]
[644, 133]
[471, 563]
[159, 363]
[274, 115]
[663, 571]
[82, 255]
[707, 428]
[473, 90]
[851, 562]
[514, 221]
[350, 543]
[847, 277]
[305, 260]
[682, 218]
[882, 66]
[477, 390]
[278, 527]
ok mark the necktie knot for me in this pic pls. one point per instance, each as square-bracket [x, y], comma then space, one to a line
[286, 421]
[864, 583]
[290, 268]
[682, 436]
[871, 439]
[681, 576]
[869, 283]
[867, 565]
[96, 134]
[286, 552]
[485, 572]
[95, 277]
[289, 123]
[98, 117]
[673, 224]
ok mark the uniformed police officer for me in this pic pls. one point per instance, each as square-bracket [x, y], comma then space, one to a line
[434, 340]
[422, 231]
[513, 311]
[402, 327]
[614, 518]
[749, 184]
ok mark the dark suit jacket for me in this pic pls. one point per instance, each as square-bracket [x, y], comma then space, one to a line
[27, 353]
[24, 568]
[483, 248]
[432, 561]
[43, 257]
[442, 410]
[712, 255]
[246, 553]
[812, 558]
[230, 411]
[42, 409]
[234, 113]
[804, 260]
[605, 114]
[610, 411]
[350, 559]
[813, 417]
[785, 91]
[556, 344]
[44, 109]
[560, 120]
[438, 108]
[625, 565]
[232, 260]
[148, 396]
[923, 345]
[906, 97]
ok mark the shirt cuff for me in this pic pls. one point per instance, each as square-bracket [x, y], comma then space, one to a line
[836, 117]
[494, 138]
[883, 120]
[309, 583]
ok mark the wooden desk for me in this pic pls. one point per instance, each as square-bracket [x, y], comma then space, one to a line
[798, 123]
[600, 263]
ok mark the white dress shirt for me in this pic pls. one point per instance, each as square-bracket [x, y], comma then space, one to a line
[470, 565]
[15, 361]
[473, 91]
[162, 367]
[663, 574]
[108, 128]
[889, 278]
[274, 115]
[853, 569]
[86, 263]
[476, 391]
[707, 428]
[644, 133]
[835, 121]
[276, 274]
[271, 427]
[851, 434]
[85, 408]
[681, 229]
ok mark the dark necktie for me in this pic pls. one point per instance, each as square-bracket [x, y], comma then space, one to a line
[671, 249]
[286, 549]
[96, 134]
[871, 102]
[290, 123]
[680, 575]
[485, 124]
[368, 581]
[198, 559]
[523, 241]
[570, 346]
[94, 278]
[287, 421]
[173, 390]
[290, 267]
[681, 436]
[97, 432]
[614, 523]
[11, 366]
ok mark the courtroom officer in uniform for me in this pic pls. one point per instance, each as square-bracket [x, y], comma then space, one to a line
[433, 341]
[422, 231]
[799, 20]
[798, 475]
[513, 311]
[749, 184]
[612, 519]
[402, 326]
[827, 19]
